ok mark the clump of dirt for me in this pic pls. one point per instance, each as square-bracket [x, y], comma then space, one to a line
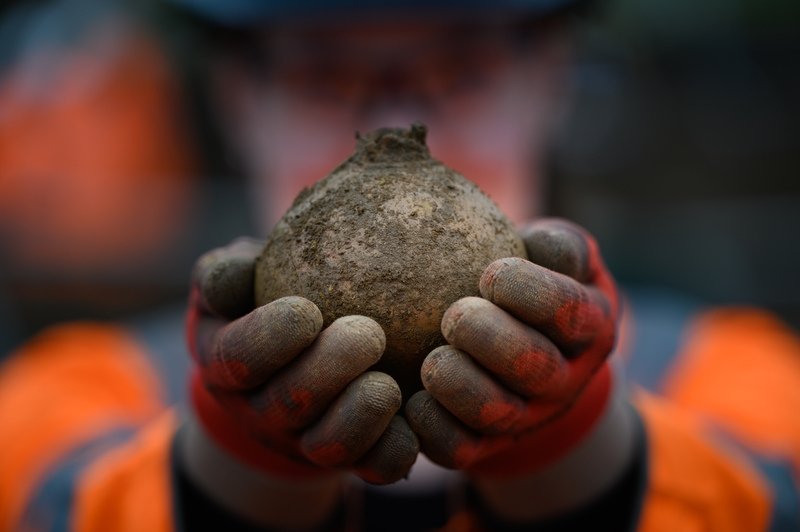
[391, 234]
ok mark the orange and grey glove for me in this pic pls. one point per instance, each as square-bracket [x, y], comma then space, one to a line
[524, 378]
[279, 393]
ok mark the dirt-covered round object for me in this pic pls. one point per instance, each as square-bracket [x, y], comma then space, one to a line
[391, 234]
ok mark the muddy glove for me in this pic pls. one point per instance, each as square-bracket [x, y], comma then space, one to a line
[524, 378]
[279, 394]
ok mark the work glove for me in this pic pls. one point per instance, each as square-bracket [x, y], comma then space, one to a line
[524, 376]
[279, 393]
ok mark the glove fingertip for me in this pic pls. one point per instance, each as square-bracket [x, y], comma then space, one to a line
[496, 272]
[560, 246]
[227, 287]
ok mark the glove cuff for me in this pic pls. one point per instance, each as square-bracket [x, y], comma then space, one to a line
[541, 447]
[237, 441]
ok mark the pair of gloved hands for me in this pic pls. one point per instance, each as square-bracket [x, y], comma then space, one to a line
[521, 382]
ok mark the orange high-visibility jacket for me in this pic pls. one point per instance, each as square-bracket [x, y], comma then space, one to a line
[86, 426]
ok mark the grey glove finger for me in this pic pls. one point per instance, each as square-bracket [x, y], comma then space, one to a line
[559, 245]
[301, 392]
[469, 393]
[571, 314]
[224, 278]
[354, 422]
[391, 458]
[443, 438]
[246, 352]
[522, 358]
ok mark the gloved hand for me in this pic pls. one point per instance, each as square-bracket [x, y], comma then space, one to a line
[524, 377]
[280, 394]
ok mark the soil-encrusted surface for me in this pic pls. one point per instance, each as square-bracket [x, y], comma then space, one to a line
[391, 234]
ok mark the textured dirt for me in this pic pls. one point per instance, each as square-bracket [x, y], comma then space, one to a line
[391, 234]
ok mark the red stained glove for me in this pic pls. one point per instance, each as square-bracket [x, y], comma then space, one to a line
[279, 393]
[524, 377]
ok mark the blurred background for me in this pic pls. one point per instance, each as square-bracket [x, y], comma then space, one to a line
[681, 153]
[113, 178]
